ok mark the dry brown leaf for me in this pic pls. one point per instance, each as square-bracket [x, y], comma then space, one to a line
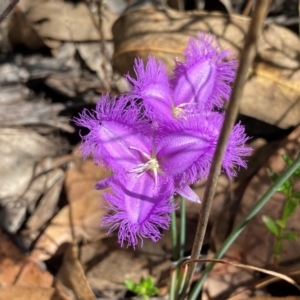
[26, 293]
[107, 257]
[21, 150]
[272, 92]
[92, 54]
[86, 211]
[37, 23]
[63, 21]
[16, 269]
[48, 204]
[21, 31]
[72, 275]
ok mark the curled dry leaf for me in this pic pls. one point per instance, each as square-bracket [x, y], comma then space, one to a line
[53, 21]
[16, 269]
[272, 92]
[72, 275]
[48, 204]
[21, 150]
[84, 207]
[25, 293]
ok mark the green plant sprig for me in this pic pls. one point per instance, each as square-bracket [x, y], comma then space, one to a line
[278, 227]
[293, 168]
[145, 288]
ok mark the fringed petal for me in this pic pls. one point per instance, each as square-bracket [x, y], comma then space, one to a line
[140, 211]
[113, 131]
[205, 76]
[187, 150]
[188, 194]
[152, 86]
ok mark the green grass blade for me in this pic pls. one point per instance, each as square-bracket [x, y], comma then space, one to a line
[240, 227]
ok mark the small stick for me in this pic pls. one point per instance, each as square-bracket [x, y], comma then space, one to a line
[6, 8]
[246, 60]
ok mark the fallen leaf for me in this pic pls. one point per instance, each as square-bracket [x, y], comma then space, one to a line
[63, 21]
[72, 275]
[84, 208]
[26, 293]
[21, 150]
[107, 265]
[92, 54]
[21, 32]
[272, 92]
[16, 269]
[48, 204]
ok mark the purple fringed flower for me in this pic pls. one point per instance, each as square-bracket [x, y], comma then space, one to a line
[153, 86]
[188, 148]
[205, 76]
[159, 148]
[112, 131]
[199, 83]
[140, 211]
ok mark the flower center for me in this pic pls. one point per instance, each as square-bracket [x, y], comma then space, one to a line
[151, 164]
[178, 111]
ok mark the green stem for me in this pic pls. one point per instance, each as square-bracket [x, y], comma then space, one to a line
[182, 229]
[174, 272]
[240, 227]
[174, 235]
[174, 276]
[278, 241]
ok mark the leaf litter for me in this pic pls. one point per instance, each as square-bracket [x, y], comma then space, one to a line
[55, 59]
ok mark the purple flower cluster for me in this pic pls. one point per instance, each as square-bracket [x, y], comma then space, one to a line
[161, 136]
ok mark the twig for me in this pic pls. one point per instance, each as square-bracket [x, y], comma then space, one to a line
[246, 60]
[247, 267]
[105, 62]
[6, 8]
[247, 8]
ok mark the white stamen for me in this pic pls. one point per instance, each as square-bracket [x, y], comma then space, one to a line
[151, 164]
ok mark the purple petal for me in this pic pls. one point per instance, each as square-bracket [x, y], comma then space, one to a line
[112, 134]
[188, 193]
[140, 211]
[186, 152]
[152, 85]
[179, 150]
[236, 151]
[205, 77]
[104, 183]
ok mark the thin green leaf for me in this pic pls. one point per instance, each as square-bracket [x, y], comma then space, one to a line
[289, 208]
[290, 235]
[271, 225]
[148, 282]
[297, 173]
[130, 285]
[273, 175]
[287, 160]
[194, 294]
[278, 247]
[285, 187]
[296, 195]
[281, 223]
